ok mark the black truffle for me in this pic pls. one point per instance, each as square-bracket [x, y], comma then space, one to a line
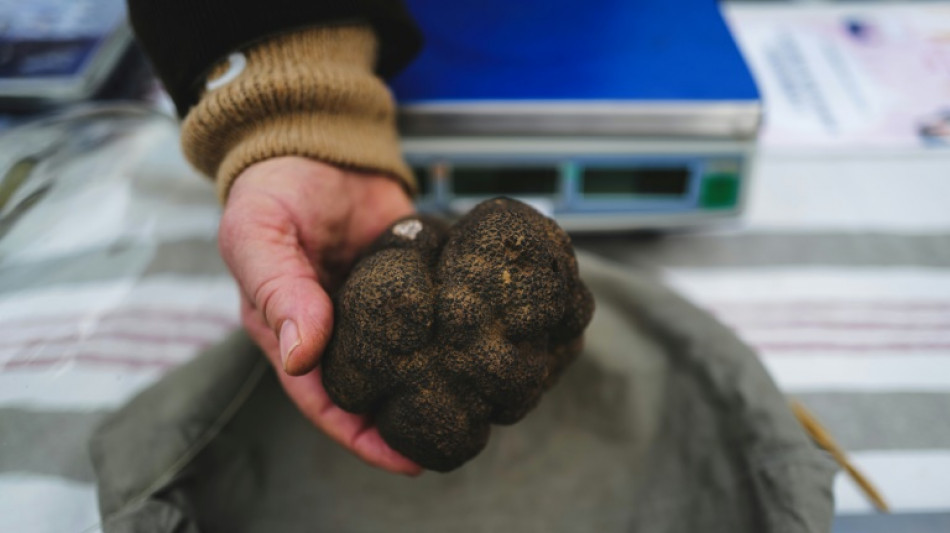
[441, 332]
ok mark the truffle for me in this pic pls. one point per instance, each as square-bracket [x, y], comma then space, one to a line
[442, 331]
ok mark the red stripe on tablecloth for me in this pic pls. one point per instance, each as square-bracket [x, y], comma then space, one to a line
[836, 325]
[142, 338]
[92, 359]
[173, 315]
[825, 347]
[797, 305]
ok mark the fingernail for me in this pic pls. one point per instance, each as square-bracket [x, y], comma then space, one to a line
[289, 340]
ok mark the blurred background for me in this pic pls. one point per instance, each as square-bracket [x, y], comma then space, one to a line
[785, 165]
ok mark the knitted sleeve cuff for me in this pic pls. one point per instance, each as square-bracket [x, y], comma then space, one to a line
[309, 93]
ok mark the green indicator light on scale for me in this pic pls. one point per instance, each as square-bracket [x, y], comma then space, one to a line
[719, 191]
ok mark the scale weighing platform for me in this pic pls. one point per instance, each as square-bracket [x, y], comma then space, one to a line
[606, 115]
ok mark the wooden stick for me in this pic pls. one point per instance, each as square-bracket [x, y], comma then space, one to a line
[824, 439]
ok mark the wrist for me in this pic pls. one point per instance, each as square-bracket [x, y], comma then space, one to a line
[310, 182]
[311, 93]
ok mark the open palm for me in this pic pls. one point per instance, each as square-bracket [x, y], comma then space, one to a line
[291, 229]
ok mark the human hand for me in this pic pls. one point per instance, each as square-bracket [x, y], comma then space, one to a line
[291, 229]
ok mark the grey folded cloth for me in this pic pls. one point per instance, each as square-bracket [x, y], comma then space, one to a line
[666, 423]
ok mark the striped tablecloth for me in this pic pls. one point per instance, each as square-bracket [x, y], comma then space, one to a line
[839, 275]
[104, 286]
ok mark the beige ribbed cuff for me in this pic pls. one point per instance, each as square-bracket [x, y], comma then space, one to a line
[309, 93]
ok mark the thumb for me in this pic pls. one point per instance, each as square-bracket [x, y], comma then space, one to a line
[300, 312]
[279, 282]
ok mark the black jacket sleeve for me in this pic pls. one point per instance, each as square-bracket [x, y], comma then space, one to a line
[185, 38]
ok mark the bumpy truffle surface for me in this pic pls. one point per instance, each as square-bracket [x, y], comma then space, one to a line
[441, 332]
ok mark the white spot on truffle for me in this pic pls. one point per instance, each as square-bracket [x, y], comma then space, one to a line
[407, 229]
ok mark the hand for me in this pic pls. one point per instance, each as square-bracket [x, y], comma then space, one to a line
[291, 229]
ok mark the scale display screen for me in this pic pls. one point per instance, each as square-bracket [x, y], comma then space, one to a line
[635, 182]
[423, 177]
[510, 181]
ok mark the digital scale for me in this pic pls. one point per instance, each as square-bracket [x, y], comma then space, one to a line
[612, 114]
